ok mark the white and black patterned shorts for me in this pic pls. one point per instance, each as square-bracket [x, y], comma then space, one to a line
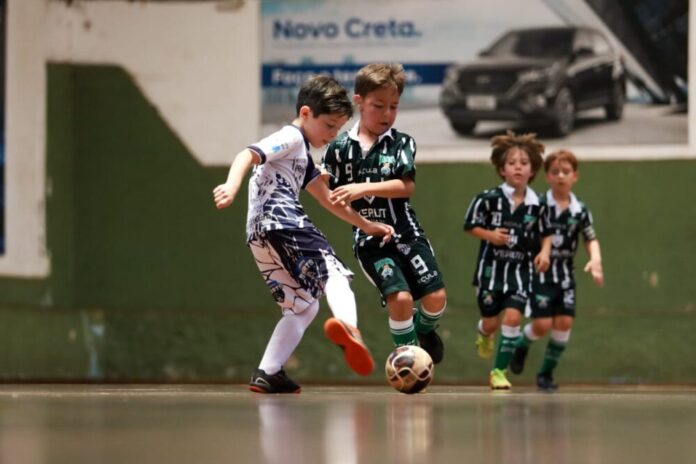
[295, 264]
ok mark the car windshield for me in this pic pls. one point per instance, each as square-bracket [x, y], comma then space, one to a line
[549, 43]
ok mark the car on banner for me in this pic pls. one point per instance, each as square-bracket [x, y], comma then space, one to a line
[536, 76]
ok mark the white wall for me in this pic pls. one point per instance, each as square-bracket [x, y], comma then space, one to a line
[197, 63]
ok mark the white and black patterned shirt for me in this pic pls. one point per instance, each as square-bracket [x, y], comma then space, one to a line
[274, 187]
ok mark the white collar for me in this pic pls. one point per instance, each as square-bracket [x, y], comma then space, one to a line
[574, 205]
[353, 133]
[530, 196]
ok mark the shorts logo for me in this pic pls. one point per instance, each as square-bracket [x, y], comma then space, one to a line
[276, 290]
[487, 298]
[385, 268]
[403, 248]
[542, 301]
[569, 297]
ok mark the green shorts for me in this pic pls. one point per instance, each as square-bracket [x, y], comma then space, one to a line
[552, 300]
[402, 267]
[493, 302]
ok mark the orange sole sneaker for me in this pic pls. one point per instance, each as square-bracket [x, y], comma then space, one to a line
[357, 355]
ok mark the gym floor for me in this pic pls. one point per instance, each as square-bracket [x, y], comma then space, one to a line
[71, 424]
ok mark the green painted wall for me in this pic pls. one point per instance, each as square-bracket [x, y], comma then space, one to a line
[150, 282]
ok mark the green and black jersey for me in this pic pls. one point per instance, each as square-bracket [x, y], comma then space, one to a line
[565, 228]
[391, 157]
[508, 267]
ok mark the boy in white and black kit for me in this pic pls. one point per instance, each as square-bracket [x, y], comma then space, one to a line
[293, 256]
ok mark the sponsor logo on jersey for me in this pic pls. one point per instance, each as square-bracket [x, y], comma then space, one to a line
[386, 162]
[373, 213]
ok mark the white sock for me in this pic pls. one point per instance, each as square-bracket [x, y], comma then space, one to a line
[285, 338]
[341, 299]
[561, 337]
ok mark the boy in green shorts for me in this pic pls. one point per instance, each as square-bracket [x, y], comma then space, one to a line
[506, 219]
[553, 303]
[371, 167]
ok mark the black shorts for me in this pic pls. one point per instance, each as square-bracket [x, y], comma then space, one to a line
[398, 267]
[551, 300]
[493, 302]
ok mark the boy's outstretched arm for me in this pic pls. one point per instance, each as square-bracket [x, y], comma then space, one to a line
[594, 265]
[395, 188]
[224, 194]
[318, 189]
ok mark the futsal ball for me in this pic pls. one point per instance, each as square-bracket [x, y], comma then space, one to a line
[409, 369]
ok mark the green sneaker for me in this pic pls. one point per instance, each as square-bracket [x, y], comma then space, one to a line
[498, 380]
[485, 345]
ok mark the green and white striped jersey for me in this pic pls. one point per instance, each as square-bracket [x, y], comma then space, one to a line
[565, 228]
[391, 157]
[507, 267]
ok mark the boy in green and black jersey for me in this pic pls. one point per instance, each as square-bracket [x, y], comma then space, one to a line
[553, 303]
[372, 167]
[506, 219]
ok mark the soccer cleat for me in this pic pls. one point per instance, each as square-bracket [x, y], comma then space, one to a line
[485, 345]
[545, 382]
[432, 343]
[498, 380]
[518, 358]
[346, 336]
[274, 383]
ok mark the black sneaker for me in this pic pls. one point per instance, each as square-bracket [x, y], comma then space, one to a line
[518, 359]
[276, 383]
[545, 382]
[432, 343]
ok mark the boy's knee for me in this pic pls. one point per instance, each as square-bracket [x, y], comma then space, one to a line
[541, 326]
[435, 301]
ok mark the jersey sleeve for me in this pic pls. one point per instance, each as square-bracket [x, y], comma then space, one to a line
[405, 158]
[587, 226]
[330, 162]
[476, 214]
[544, 221]
[279, 145]
[311, 173]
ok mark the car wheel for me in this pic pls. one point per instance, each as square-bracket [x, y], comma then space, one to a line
[463, 128]
[614, 109]
[564, 108]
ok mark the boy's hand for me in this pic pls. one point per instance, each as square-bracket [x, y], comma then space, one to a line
[542, 262]
[344, 194]
[499, 237]
[223, 196]
[379, 230]
[595, 269]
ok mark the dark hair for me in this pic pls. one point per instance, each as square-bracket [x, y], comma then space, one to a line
[527, 142]
[379, 75]
[324, 95]
[561, 155]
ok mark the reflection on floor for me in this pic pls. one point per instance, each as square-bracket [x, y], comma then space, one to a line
[344, 425]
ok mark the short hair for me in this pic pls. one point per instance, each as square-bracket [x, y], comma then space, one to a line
[527, 142]
[561, 155]
[379, 75]
[324, 95]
